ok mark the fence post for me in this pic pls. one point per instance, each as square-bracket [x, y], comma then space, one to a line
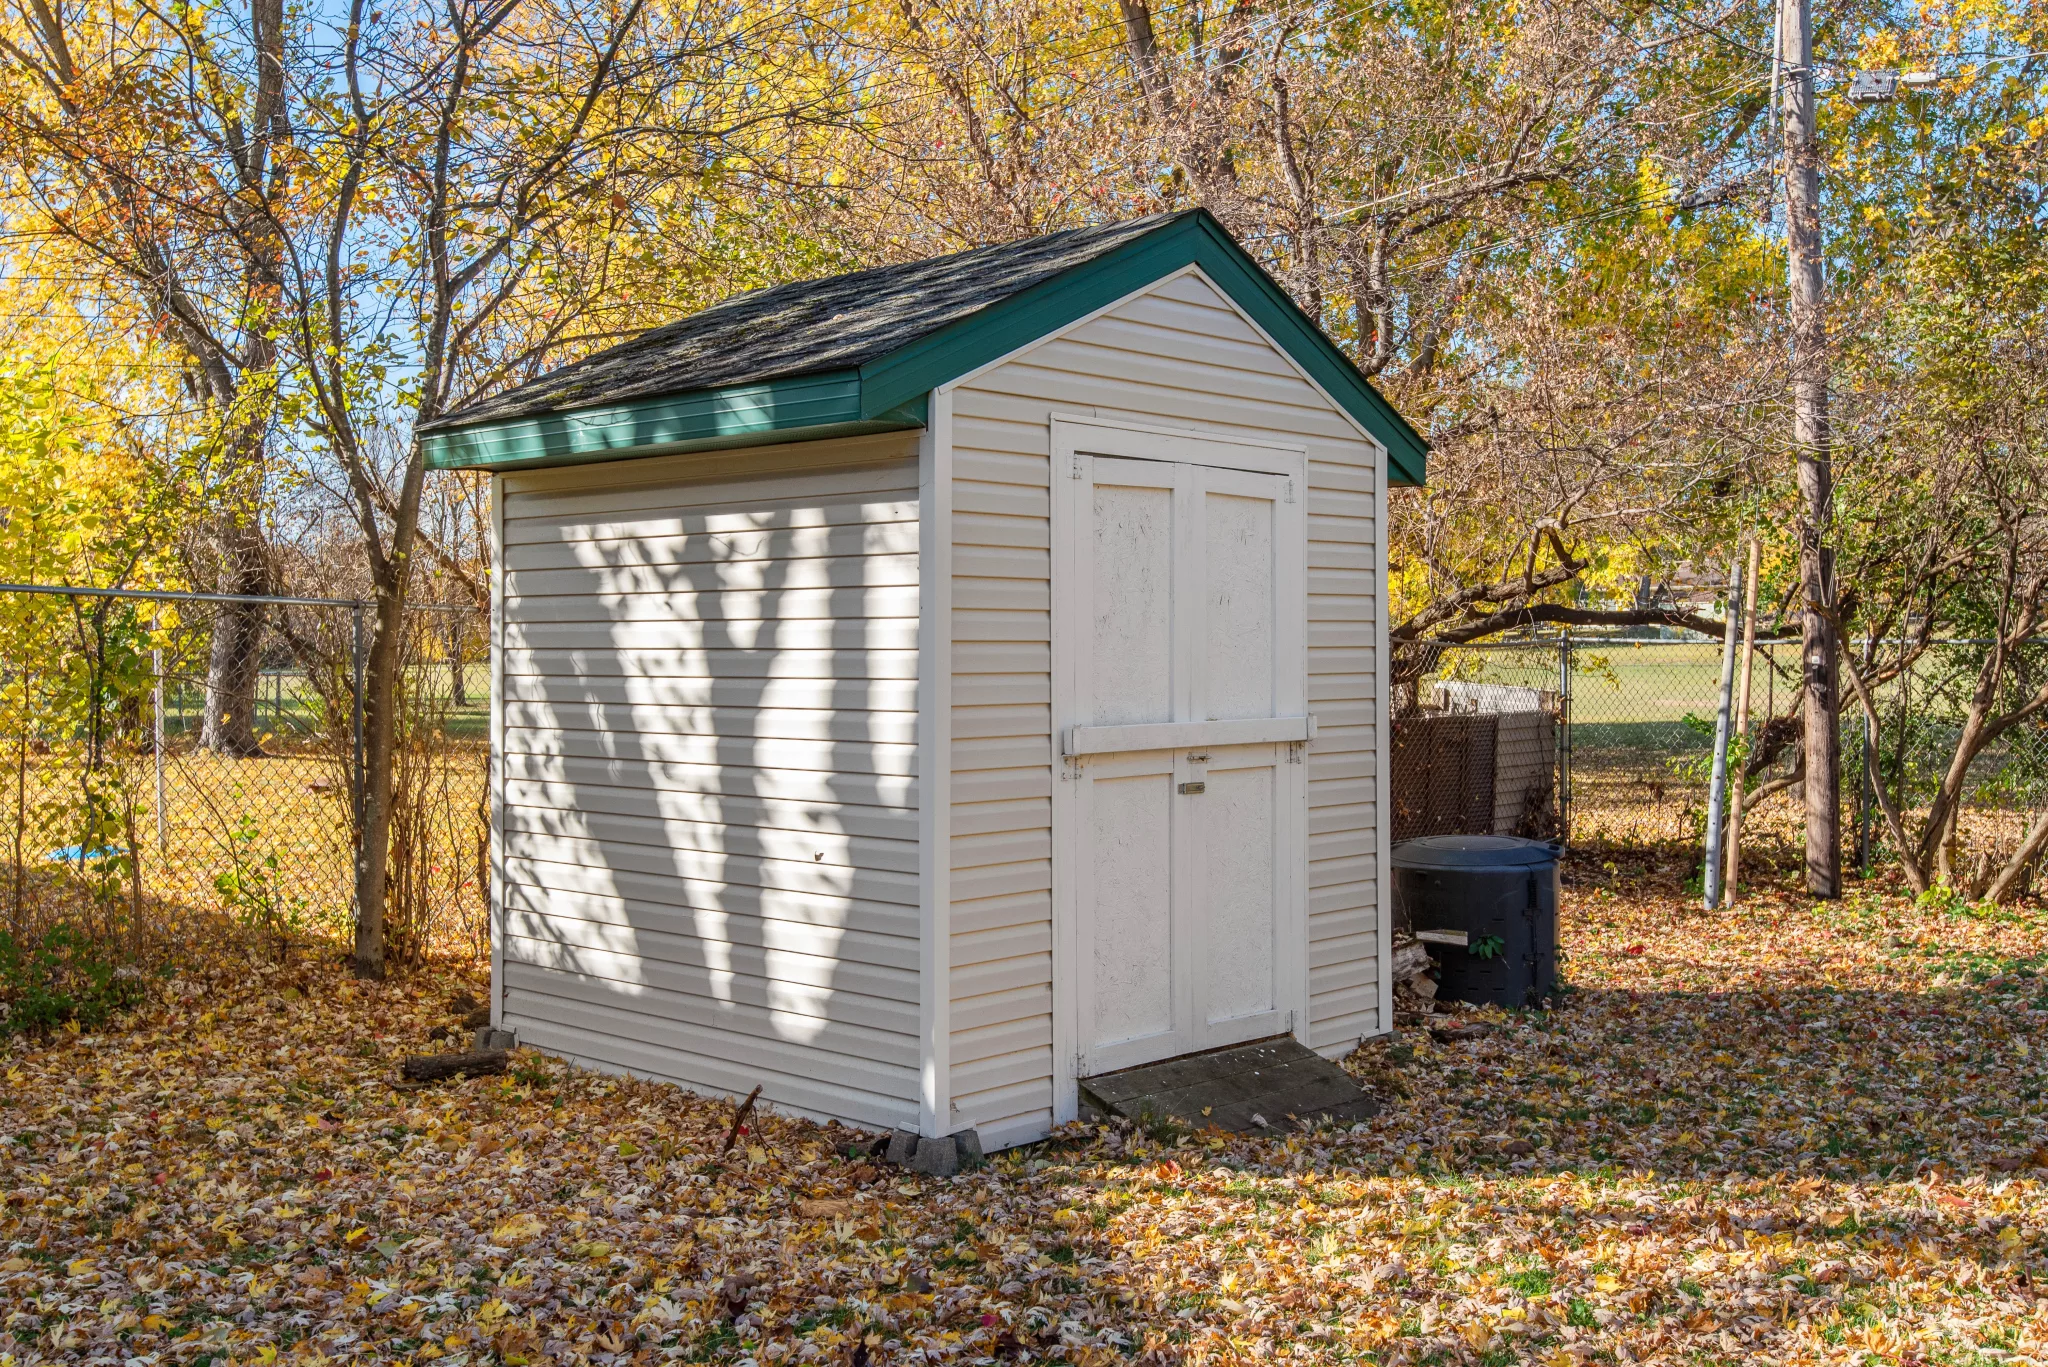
[1564, 737]
[1717, 782]
[357, 790]
[156, 667]
[1731, 840]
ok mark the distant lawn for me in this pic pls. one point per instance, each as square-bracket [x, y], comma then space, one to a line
[289, 708]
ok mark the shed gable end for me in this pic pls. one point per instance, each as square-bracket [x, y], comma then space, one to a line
[1180, 354]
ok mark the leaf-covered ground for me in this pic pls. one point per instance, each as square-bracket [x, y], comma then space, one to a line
[1779, 1134]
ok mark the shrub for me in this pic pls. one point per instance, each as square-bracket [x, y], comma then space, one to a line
[64, 977]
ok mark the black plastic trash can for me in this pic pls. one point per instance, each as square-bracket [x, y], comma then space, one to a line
[1486, 905]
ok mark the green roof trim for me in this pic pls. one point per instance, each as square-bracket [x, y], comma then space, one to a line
[802, 408]
[1196, 239]
[889, 392]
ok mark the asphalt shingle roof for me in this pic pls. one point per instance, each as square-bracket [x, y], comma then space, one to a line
[805, 327]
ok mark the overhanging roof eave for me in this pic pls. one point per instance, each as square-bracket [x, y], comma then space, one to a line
[799, 408]
[888, 392]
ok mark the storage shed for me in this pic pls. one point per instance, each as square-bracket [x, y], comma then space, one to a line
[919, 689]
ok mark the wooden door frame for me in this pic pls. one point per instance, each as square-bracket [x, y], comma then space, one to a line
[1073, 437]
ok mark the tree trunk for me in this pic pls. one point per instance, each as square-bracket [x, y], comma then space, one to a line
[1949, 849]
[458, 686]
[235, 655]
[2017, 869]
[380, 733]
[1909, 857]
[381, 700]
[1816, 474]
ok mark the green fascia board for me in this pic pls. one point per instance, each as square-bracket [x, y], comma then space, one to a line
[1197, 240]
[801, 408]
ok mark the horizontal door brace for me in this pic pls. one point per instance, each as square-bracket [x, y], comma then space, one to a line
[1181, 735]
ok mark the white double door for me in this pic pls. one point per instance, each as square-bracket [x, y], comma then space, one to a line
[1180, 709]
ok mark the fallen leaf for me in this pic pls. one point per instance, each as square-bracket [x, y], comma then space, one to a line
[823, 1209]
[1723, 1179]
[519, 1229]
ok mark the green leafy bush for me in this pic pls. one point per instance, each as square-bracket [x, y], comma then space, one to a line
[253, 886]
[64, 977]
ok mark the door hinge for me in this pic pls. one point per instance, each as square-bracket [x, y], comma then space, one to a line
[1290, 490]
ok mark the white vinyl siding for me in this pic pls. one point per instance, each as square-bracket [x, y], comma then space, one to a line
[1180, 355]
[709, 820]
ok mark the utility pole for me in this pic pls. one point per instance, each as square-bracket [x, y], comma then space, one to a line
[1811, 440]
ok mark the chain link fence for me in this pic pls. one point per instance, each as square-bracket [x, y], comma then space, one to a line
[165, 754]
[1642, 740]
[1920, 717]
[1607, 741]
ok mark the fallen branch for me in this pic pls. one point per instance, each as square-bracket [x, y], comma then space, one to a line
[441, 1067]
[739, 1119]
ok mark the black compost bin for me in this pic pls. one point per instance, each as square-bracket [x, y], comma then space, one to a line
[1486, 905]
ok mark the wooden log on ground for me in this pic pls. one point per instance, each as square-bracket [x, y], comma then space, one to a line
[441, 1067]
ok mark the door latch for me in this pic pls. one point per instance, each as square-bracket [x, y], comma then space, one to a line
[1193, 789]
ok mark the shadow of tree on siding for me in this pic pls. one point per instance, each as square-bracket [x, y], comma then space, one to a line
[720, 745]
